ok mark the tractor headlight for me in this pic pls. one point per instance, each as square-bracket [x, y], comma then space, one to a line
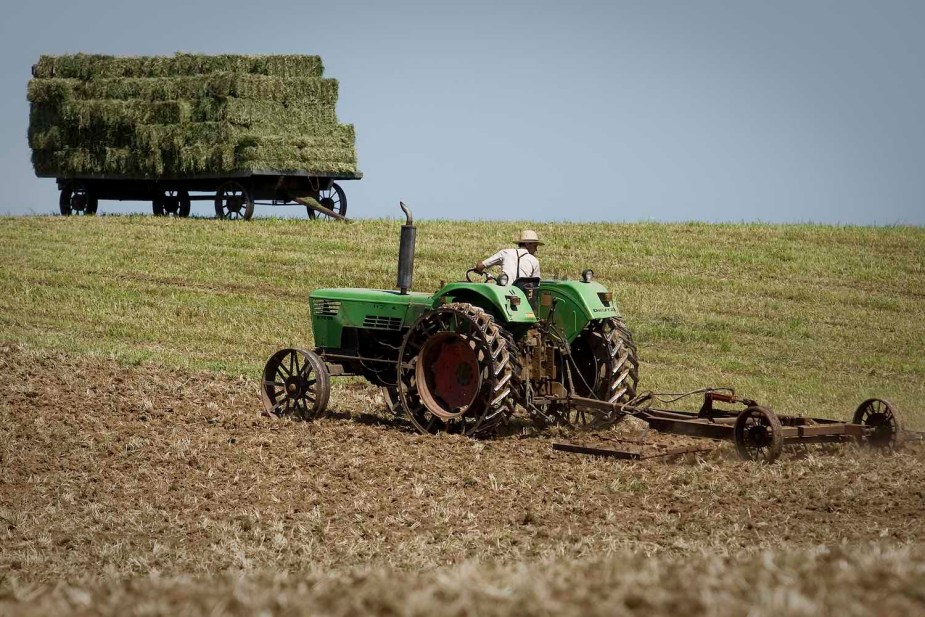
[587, 275]
[503, 279]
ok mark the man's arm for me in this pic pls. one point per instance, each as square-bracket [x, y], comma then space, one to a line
[494, 260]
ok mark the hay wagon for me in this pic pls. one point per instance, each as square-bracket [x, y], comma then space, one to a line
[234, 130]
[234, 195]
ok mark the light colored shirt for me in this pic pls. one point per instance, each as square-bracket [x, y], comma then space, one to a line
[516, 263]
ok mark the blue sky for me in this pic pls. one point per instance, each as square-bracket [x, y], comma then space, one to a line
[622, 111]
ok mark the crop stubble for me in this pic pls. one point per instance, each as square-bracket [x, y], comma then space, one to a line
[110, 473]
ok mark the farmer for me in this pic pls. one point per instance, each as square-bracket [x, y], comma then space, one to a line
[516, 263]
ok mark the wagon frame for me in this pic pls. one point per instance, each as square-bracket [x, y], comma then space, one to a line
[233, 194]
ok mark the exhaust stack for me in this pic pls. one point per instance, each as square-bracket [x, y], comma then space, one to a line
[406, 252]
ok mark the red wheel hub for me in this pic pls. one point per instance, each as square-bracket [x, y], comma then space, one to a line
[448, 375]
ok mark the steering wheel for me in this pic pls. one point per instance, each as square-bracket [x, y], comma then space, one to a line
[485, 274]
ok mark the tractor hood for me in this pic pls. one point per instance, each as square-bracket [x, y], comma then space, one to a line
[372, 309]
[371, 295]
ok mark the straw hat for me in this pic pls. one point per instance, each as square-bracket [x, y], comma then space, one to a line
[528, 236]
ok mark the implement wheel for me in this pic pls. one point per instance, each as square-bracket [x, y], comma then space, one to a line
[77, 199]
[333, 199]
[455, 372]
[883, 419]
[172, 203]
[295, 384]
[758, 435]
[232, 201]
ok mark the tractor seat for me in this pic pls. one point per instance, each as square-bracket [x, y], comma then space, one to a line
[529, 285]
[527, 282]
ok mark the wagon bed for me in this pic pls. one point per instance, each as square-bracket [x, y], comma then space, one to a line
[234, 194]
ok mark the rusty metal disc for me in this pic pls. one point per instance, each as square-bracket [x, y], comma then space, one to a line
[448, 374]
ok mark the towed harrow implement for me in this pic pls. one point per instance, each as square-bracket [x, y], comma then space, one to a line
[758, 432]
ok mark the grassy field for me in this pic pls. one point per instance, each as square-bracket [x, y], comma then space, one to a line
[137, 476]
[800, 317]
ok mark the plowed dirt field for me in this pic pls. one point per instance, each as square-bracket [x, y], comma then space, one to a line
[152, 491]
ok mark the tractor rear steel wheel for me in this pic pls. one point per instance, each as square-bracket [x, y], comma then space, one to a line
[233, 202]
[455, 372]
[296, 384]
[175, 203]
[758, 435]
[603, 366]
[332, 198]
[883, 419]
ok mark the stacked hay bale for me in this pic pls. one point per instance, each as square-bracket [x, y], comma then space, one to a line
[185, 115]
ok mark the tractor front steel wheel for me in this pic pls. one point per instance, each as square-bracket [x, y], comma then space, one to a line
[883, 419]
[295, 384]
[758, 435]
[233, 202]
[455, 372]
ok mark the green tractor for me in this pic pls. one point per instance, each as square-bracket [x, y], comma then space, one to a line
[462, 360]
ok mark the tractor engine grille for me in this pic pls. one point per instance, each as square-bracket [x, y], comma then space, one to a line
[382, 323]
[321, 306]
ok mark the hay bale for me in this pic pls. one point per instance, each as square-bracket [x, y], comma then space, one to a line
[94, 66]
[268, 114]
[213, 149]
[289, 154]
[96, 161]
[305, 90]
[185, 115]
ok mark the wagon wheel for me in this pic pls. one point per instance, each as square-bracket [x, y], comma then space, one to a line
[77, 199]
[333, 199]
[176, 203]
[295, 383]
[758, 435]
[455, 372]
[604, 366]
[232, 201]
[883, 419]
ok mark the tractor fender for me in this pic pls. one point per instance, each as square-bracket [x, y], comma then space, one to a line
[576, 303]
[496, 299]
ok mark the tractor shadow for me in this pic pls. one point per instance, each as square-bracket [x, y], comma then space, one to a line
[515, 427]
[372, 419]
